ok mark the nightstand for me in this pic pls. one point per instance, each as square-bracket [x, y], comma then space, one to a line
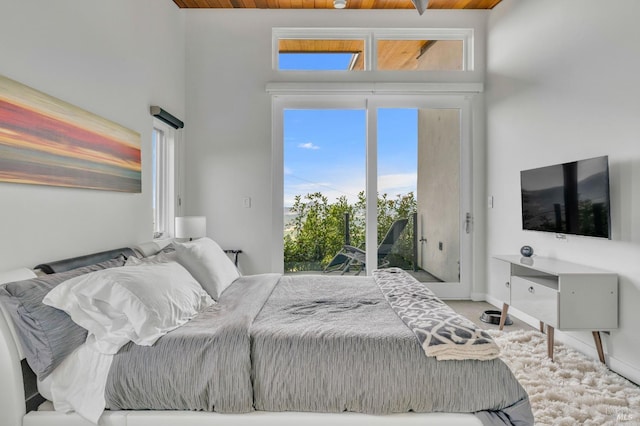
[235, 253]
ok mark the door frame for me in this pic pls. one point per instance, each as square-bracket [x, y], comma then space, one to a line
[449, 290]
[278, 105]
[370, 101]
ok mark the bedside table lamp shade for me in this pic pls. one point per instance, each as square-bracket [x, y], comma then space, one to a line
[191, 227]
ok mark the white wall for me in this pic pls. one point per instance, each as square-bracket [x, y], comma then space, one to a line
[562, 84]
[229, 57]
[113, 58]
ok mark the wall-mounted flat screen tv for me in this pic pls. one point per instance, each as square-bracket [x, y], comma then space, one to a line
[568, 198]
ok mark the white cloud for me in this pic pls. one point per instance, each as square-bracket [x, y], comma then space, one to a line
[392, 184]
[308, 145]
[399, 183]
[328, 189]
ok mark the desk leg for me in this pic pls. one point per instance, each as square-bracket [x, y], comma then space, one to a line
[503, 315]
[598, 340]
[550, 331]
[541, 327]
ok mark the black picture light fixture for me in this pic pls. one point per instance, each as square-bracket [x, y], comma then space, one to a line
[168, 118]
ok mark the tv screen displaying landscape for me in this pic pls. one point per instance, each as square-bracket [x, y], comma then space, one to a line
[568, 198]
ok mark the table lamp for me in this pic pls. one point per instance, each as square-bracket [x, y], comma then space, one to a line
[191, 227]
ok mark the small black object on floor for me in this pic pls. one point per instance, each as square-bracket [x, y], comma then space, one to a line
[493, 317]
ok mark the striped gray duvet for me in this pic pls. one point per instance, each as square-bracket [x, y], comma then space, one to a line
[202, 365]
[307, 343]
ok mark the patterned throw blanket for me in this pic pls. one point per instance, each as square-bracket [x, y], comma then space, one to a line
[442, 333]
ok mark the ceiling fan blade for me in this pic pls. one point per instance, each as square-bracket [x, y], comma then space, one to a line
[421, 5]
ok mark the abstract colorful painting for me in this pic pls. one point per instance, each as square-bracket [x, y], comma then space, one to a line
[46, 141]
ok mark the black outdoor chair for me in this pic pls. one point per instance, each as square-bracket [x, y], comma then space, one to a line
[351, 256]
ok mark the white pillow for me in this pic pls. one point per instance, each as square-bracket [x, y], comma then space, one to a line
[208, 263]
[161, 257]
[136, 303]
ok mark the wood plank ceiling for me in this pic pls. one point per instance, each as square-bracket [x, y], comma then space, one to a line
[328, 4]
[401, 57]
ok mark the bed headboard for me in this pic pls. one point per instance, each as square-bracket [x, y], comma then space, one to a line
[80, 261]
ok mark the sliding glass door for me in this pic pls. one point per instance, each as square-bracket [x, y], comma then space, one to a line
[397, 184]
[375, 181]
[324, 187]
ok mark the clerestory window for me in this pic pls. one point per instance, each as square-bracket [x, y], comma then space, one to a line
[373, 49]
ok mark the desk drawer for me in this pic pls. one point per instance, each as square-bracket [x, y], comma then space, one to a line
[538, 300]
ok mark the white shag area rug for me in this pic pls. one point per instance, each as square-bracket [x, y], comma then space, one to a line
[573, 389]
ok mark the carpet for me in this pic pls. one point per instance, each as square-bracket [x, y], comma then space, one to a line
[572, 390]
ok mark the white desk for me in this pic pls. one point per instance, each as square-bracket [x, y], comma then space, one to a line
[562, 295]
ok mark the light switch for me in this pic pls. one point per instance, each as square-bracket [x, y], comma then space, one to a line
[246, 202]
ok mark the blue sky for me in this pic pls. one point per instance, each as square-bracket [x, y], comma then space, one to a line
[324, 150]
[314, 61]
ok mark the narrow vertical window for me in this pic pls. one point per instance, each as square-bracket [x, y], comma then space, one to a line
[163, 179]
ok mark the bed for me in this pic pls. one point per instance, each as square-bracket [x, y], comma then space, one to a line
[271, 349]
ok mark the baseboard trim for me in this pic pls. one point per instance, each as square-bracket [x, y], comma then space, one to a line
[449, 291]
[569, 338]
[478, 297]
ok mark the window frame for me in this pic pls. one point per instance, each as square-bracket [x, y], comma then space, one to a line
[331, 97]
[371, 37]
[164, 182]
[319, 34]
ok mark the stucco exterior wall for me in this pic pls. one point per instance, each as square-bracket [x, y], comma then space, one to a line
[439, 192]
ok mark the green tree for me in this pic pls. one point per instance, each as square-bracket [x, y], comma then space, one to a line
[317, 231]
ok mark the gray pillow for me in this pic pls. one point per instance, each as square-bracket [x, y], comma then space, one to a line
[47, 334]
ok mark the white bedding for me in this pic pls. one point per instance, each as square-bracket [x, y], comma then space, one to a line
[69, 388]
[138, 303]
